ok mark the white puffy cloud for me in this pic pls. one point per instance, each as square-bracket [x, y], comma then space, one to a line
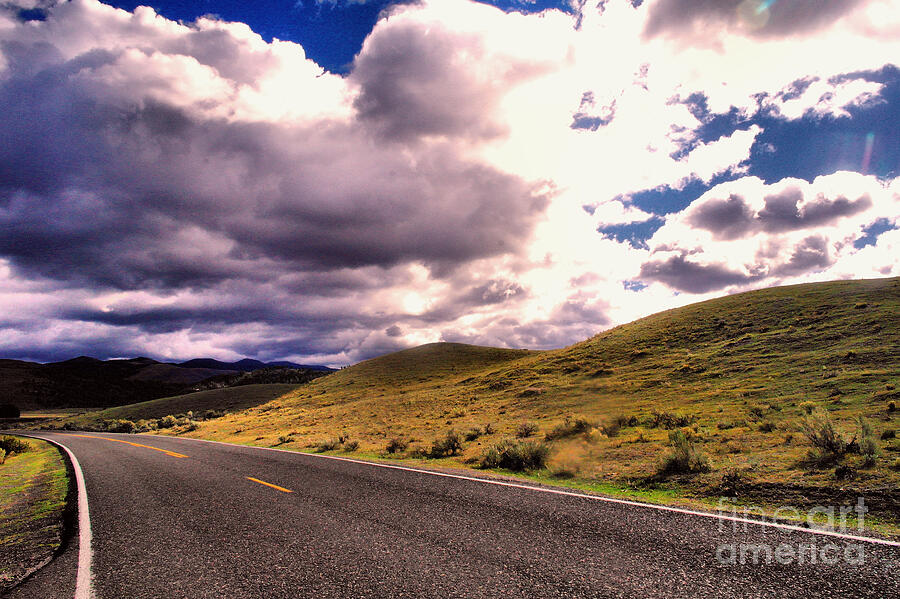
[195, 190]
[746, 232]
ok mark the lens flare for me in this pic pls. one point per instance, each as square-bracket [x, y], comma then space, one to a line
[867, 154]
[754, 14]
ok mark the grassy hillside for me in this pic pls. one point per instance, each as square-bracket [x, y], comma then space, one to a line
[87, 382]
[227, 399]
[735, 376]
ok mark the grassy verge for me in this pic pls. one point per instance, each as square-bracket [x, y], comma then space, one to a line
[33, 488]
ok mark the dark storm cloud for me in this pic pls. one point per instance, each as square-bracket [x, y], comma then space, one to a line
[732, 218]
[690, 19]
[782, 213]
[684, 275]
[726, 218]
[138, 193]
[279, 237]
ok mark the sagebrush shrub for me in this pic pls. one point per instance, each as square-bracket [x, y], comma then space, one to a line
[516, 455]
[473, 433]
[166, 422]
[868, 446]
[526, 429]
[767, 426]
[121, 426]
[328, 445]
[13, 445]
[669, 420]
[685, 457]
[808, 407]
[827, 443]
[397, 445]
[569, 428]
[450, 445]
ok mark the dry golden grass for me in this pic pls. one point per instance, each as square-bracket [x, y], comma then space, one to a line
[744, 369]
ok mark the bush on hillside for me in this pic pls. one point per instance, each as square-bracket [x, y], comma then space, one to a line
[526, 429]
[473, 433]
[516, 455]
[121, 426]
[2, 456]
[767, 426]
[166, 422]
[684, 457]
[328, 445]
[868, 446]
[13, 445]
[450, 445]
[397, 445]
[828, 444]
[570, 428]
[669, 420]
[612, 427]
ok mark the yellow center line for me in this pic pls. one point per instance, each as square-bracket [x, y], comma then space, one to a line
[165, 451]
[262, 482]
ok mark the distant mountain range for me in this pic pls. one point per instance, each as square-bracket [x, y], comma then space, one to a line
[89, 382]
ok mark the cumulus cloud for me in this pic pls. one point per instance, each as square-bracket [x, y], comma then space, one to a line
[761, 18]
[180, 190]
[684, 274]
[769, 232]
[416, 82]
[787, 210]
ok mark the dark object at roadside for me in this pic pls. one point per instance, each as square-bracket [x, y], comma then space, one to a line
[8, 410]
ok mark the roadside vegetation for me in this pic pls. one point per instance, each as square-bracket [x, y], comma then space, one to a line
[784, 395]
[33, 488]
[175, 413]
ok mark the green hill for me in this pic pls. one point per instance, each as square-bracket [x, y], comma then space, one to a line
[736, 375]
[90, 383]
[225, 399]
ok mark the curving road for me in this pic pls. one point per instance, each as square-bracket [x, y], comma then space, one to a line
[182, 518]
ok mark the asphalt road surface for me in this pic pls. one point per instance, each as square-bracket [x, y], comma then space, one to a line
[181, 518]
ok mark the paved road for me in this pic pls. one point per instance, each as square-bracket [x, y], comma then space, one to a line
[200, 527]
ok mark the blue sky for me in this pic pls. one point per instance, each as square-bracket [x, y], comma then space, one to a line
[331, 32]
[178, 183]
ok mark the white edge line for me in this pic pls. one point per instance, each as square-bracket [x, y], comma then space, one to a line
[83, 581]
[665, 508]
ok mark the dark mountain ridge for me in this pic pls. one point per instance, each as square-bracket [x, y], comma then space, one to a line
[86, 382]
